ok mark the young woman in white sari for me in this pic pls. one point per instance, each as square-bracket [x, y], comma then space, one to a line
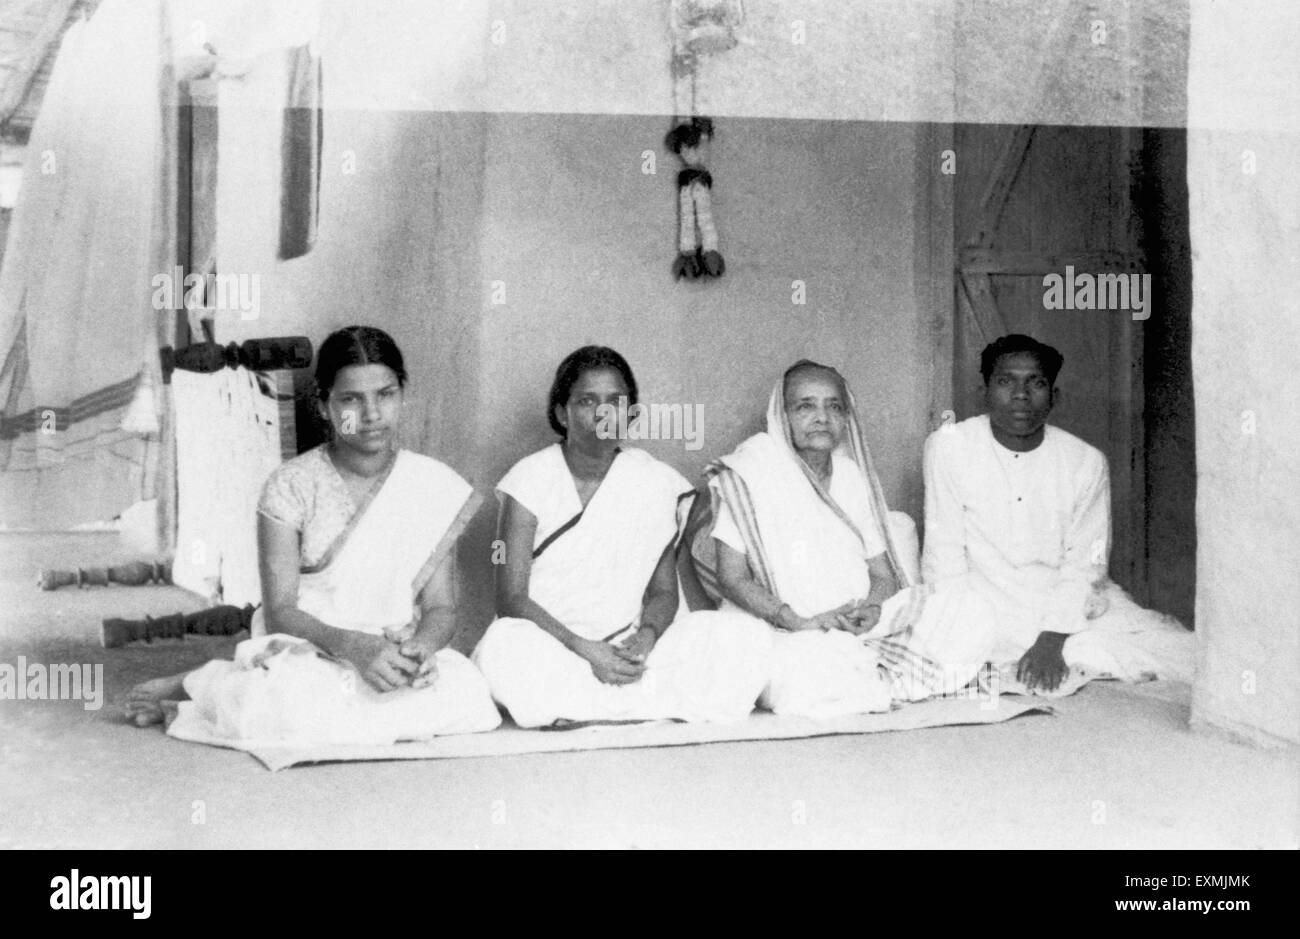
[587, 595]
[357, 558]
[794, 532]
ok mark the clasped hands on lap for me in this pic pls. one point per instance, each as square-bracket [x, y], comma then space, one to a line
[402, 658]
[619, 663]
[857, 617]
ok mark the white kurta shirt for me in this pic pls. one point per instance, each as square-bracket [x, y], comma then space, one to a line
[1032, 528]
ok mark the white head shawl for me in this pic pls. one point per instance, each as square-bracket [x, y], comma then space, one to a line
[758, 455]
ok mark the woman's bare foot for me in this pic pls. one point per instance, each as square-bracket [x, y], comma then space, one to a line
[143, 706]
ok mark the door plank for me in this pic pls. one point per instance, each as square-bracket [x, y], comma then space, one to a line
[983, 307]
[1002, 178]
[1008, 261]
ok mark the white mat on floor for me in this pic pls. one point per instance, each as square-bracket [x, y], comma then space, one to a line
[509, 740]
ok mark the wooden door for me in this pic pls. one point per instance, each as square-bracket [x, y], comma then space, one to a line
[1030, 201]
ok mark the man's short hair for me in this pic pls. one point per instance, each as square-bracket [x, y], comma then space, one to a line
[1048, 358]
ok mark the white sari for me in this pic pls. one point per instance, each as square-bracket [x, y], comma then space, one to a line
[809, 546]
[590, 571]
[283, 689]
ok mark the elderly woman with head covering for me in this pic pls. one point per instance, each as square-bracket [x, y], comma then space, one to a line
[795, 532]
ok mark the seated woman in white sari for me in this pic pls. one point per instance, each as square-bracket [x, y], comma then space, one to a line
[794, 532]
[357, 557]
[587, 595]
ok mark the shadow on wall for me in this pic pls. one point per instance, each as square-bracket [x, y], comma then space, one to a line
[1170, 406]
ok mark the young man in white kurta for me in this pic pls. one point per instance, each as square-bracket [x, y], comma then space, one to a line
[1030, 528]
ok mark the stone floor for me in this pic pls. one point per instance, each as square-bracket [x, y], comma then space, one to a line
[1115, 767]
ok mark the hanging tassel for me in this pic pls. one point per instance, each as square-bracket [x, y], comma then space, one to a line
[687, 262]
[711, 259]
[697, 241]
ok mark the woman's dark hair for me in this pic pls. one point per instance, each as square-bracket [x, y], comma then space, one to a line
[1048, 358]
[356, 345]
[586, 359]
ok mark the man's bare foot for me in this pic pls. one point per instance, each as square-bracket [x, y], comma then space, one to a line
[143, 706]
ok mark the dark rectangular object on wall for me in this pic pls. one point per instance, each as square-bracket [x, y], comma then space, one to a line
[300, 155]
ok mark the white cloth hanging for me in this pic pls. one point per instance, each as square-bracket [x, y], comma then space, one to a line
[227, 443]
